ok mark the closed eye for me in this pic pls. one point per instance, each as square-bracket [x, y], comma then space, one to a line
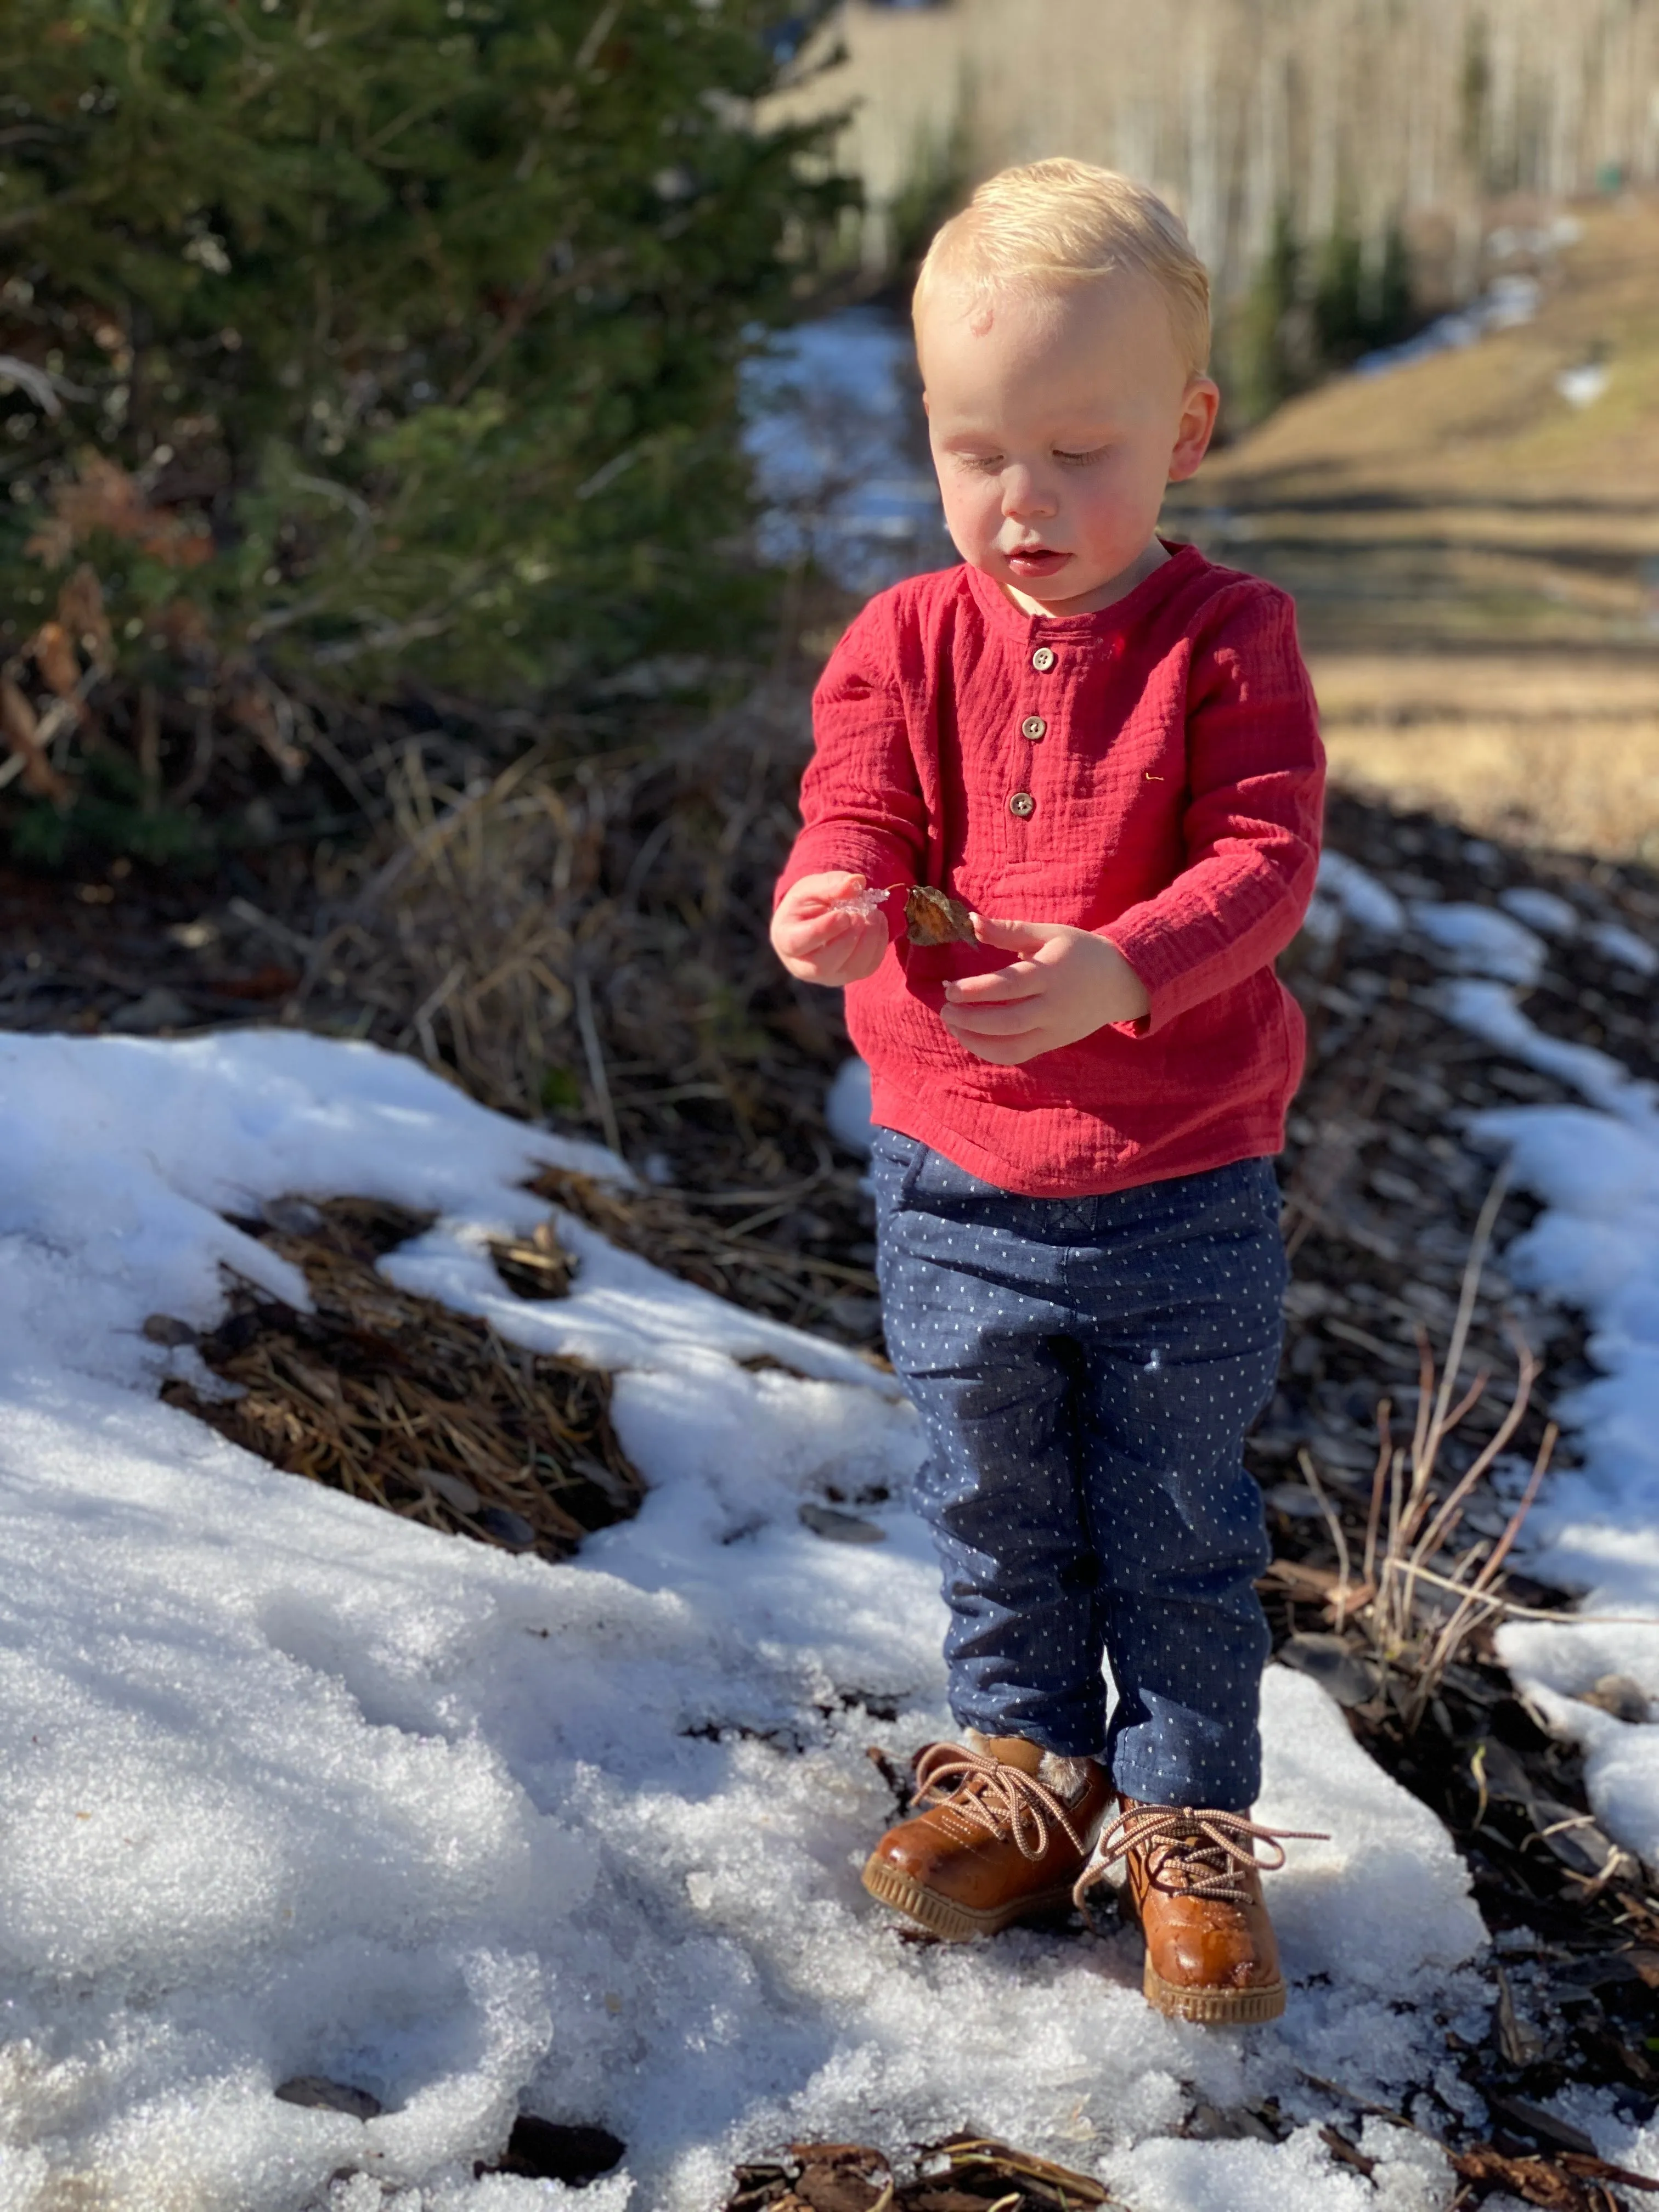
[1081, 460]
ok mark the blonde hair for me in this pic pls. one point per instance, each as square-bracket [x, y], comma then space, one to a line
[1058, 223]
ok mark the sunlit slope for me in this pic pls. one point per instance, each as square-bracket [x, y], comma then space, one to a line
[1476, 560]
[1463, 500]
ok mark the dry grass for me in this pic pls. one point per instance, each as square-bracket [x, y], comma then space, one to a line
[1552, 750]
[584, 940]
[585, 926]
[1420, 1594]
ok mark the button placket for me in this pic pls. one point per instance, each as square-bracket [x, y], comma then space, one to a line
[1021, 805]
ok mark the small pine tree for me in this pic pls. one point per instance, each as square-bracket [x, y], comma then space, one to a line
[366, 338]
[1266, 345]
[1361, 301]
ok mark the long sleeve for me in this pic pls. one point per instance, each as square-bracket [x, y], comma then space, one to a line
[861, 802]
[1256, 785]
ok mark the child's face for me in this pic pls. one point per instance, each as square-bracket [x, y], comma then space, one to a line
[1057, 420]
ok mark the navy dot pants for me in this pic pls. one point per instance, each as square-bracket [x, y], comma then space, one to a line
[1086, 1370]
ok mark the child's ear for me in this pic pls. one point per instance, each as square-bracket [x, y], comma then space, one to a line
[1196, 427]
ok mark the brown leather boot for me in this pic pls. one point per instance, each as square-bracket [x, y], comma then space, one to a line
[1005, 1834]
[1191, 1880]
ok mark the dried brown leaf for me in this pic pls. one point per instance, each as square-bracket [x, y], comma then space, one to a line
[102, 498]
[934, 917]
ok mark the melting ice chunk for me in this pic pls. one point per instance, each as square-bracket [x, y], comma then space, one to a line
[860, 905]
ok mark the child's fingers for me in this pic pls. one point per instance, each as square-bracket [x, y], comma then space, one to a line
[1006, 1052]
[1025, 979]
[813, 894]
[810, 933]
[1018, 1018]
[1015, 936]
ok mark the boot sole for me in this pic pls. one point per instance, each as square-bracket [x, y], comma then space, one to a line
[942, 1915]
[1249, 2008]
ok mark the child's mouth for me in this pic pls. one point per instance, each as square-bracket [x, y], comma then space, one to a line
[1035, 561]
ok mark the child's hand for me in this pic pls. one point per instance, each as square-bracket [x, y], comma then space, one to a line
[1067, 985]
[821, 945]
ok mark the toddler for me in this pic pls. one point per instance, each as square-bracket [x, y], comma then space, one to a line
[1103, 747]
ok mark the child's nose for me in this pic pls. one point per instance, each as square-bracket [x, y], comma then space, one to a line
[1024, 497]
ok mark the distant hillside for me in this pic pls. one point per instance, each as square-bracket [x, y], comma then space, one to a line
[1492, 416]
[1475, 560]
[1464, 499]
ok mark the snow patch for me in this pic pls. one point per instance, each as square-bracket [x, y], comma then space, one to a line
[1347, 889]
[1489, 1011]
[1583, 386]
[1505, 304]
[847, 1107]
[1479, 941]
[292, 1785]
[1625, 948]
[1541, 909]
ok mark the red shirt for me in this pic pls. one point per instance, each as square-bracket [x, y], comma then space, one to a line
[1151, 771]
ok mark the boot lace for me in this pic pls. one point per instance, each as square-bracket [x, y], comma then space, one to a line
[1004, 1801]
[1188, 1852]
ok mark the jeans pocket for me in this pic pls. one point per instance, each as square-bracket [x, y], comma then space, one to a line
[895, 1163]
[892, 1148]
[1266, 1189]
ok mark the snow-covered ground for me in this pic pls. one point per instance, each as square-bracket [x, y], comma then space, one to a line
[291, 1786]
[833, 426]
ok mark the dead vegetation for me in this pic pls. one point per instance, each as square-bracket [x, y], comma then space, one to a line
[1420, 1593]
[975, 2173]
[692, 1235]
[964, 2173]
[1546, 748]
[400, 1401]
[583, 934]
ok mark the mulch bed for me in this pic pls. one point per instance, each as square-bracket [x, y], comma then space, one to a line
[979, 2174]
[400, 1401]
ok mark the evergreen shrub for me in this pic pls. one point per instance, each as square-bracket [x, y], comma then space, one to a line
[349, 342]
[1310, 314]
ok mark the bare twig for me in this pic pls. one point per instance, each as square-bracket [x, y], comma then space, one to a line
[596, 1068]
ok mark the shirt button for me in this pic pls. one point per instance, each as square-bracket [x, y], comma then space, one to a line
[1044, 659]
[1034, 727]
[1023, 804]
